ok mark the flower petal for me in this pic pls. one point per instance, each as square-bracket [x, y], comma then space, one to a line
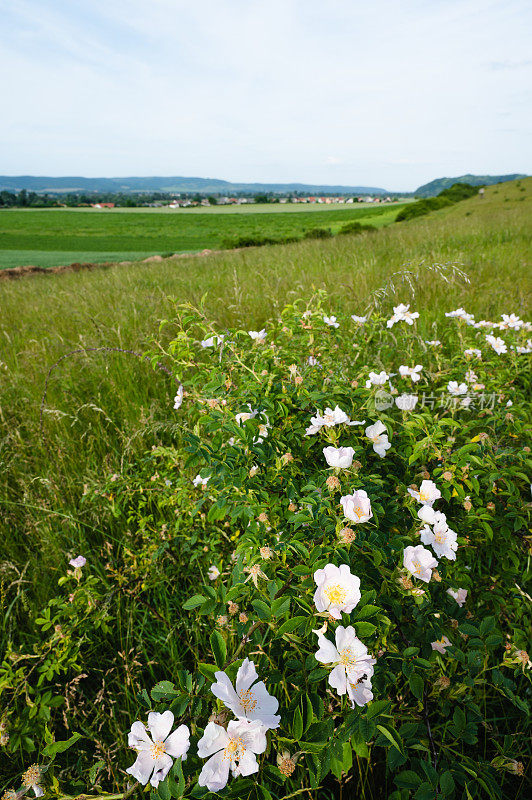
[142, 768]
[246, 675]
[161, 769]
[138, 737]
[160, 725]
[214, 738]
[215, 772]
[178, 742]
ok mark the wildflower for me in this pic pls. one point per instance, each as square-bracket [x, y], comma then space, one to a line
[222, 620]
[178, 399]
[511, 321]
[377, 379]
[156, 749]
[484, 323]
[263, 517]
[31, 780]
[358, 320]
[443, 682]
[266, 553]
[287, 458]
[298, 380]
[338, 590]
[454, 388]
[329, 419]
[285, 763]
[360, 692]
[497, 344]
[233, 749]
[212, 341]
[419, 562]
[250, 700]
[292, 507]
[411, 372]
[473, 352]
[401, 313]
[253, 471]
[406, 402]
[258, 336]
[9, 794]
[462, 314]
[441, 644]
[255, 573]
[441, 538]
[347, 535]
[428, 493]
[468, 505]
[376, 434]
[313, 362]
[232, 607]
[213, 572]
[433, 342]
[78, 562]
[199, 481]
[350, 658]
[341, 457]
[460, 595]
[447, 476]
[357, 506]
[331, 322]
[242, 618]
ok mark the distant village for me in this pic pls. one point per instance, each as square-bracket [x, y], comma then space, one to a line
[188, 202]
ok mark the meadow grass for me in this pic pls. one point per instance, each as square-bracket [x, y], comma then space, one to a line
[102, 408]
[53, 236]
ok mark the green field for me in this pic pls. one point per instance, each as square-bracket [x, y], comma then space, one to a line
[53, 237]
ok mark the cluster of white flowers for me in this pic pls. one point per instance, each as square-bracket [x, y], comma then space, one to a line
[498, 344]
[411, 372]
[258, 336]
[377, 379]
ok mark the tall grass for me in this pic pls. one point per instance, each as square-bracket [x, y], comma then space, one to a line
[103, 407]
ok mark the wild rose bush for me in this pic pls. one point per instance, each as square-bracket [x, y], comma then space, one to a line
[345, 564]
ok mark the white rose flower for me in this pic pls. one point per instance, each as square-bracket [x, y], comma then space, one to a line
[376, 433]
[406, 402]
[251, 701]
[338, 590]
[433, 342]
[419, 561]
[460, 595]
[511, 321]
[411, 372]
[498, 344]
[441, 644]
[178, 399]
[78, 562]
[331, 321]
[473, 352]
[213, 572]
[199, 481]
[357, 506]
[350, 658]
[401, 313]
[258, 336]
[377, 379]
[442, 540]
[156, 749]
[428, 493]
[212, 341]
[462, 314]
[341, 457]
[358, 320]
[454, 388]
[329, 419]
[360, 692]
[233, 749]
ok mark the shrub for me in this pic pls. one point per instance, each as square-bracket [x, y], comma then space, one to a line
[355, 228]
[318, 233]
[228, 567]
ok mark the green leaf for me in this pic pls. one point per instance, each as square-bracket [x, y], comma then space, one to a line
[51, 750]
[163, 790]
[262, 609]
[416, 685]
[297, 725]
[366, 612]
[291, 625]
[408, 779]
[194, 602]
[164, 690]
[280, 606]
[447, 783]
[94, 770]
[218, 648]
[208, 670]
[394, 740]
[365, 629]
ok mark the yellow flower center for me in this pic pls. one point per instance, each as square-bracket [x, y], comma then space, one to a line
[336, 593]
[418, 567]
[375, 439]
[157, 750]
[248, 700]
[423, 496]
[32, 776]
[234, 749]
[347, 657]
[358, 511]
[328, 418]
[439, 538]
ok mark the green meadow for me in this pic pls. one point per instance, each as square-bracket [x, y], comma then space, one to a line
[54, 237]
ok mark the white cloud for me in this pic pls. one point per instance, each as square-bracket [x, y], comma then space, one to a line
[400, 93]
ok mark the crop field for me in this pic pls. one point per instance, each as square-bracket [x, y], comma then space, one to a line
[53, 237]
[177, 512]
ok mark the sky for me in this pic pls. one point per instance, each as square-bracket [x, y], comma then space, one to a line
[385, 93]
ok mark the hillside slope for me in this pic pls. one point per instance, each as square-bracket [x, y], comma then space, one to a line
[439, 184]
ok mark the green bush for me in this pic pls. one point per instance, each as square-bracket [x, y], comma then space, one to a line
[356, 227]
[455, 193]
[224, 567]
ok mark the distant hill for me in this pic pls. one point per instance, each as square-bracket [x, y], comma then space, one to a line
[173, 184]
[436, 186]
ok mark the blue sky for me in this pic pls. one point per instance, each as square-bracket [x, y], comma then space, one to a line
[381, 93]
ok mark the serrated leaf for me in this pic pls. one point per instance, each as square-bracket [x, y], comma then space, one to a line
[219, 648]
[416, 685]
[51, 750]
[262, 609]
[194, 602]
[291, 625]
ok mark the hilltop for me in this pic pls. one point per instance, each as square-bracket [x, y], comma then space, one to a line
[34, 183]
[439, 184]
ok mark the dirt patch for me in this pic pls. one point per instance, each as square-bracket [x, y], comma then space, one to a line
[31, 269]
